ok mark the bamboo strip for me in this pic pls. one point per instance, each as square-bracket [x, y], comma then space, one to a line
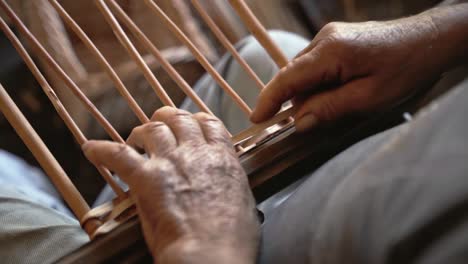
[259, 32]
[133, 52]
[107, 175]
[184, 86]
[199, 56]
[42, 154]
[256, 129]
[53, 64]
[62, 112]
[227, 44]
[102, 61]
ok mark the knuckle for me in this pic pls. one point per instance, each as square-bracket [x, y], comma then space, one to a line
[153, 127]
[332, 27]
[122, 151]
[334, 35]
[183, 114]
[282, 75]
[137, 131]
[327, 111]
[165, 110]
[206, 118]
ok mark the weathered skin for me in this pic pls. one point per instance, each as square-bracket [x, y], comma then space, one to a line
[192, 193]
[358, 68]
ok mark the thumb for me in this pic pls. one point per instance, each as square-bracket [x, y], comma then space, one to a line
[331, 105]
[303, 74]
[119, 158]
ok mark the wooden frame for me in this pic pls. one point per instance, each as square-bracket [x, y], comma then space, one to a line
[264, 156]
[103, 219]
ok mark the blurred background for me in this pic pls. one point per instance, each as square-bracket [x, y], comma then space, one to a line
[304, 17]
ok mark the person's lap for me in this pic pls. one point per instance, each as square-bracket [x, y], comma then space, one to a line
[404, 203]
[35, 225]
[33, 233]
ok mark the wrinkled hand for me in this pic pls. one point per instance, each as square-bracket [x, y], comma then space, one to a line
[192, 194]
[354, 68]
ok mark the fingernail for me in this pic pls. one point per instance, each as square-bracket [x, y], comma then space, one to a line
[306, 122]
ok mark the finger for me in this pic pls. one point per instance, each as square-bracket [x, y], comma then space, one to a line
[301, 75]
[331, 105]
[309, 47]
[299, 99]
[184, 127]
[320, 37]
[213, 129]
[119, 158]
[155, 138]
[305, 50]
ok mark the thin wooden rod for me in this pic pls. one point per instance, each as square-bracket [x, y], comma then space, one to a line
[259, 32]
[62, 112]
[133, 52]
[135, 30]
[227, 44]
[102, 61]
[53, 64]
[50, 93]
[199, 56]
[107, 176]
[42, 154]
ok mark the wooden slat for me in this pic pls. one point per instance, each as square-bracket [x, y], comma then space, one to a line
[259, 32]
[184, 86]
[102, 61]
[227, 44]
[53, 64]
[62, 112]
[199, 56]
[42, 154]
[133, 52]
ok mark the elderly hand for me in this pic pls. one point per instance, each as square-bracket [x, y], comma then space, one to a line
[192, 194]
[358, 68]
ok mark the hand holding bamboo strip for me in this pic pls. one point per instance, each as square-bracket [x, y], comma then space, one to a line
[44, 157]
